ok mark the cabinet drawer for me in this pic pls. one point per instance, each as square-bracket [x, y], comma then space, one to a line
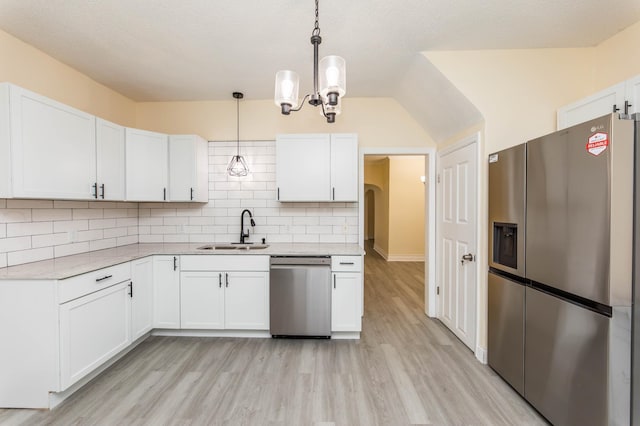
[346, 263]
[224, 263]
[78, 286]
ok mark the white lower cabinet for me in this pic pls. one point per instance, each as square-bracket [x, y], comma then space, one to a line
[346, 296]
[141, 294]
[93, 328]
[202, 300]
[246, 304]
[211, 298]
[166, 292]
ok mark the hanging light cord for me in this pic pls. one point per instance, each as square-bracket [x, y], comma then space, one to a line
[238, 126]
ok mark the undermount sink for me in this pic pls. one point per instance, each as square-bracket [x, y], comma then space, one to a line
[234, 246]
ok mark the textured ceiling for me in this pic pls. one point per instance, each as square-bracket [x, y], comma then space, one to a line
[164, 50]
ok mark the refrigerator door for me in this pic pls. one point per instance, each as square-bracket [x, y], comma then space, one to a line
[565, 361]
[568, 214]
[506, 330]
[507, 173]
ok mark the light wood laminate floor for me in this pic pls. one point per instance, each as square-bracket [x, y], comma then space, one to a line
[406, 369]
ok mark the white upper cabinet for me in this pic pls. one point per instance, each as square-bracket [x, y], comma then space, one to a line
[110, 160]
[147, 165]
[303, 167]
[317, 167]
[50, 150]
[633, 94]
[622, 98]
[344, 167]
[188, 168]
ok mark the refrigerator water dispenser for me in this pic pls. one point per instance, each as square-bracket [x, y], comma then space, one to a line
[505, 244]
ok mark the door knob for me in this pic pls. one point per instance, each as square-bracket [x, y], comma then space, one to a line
[468, 257]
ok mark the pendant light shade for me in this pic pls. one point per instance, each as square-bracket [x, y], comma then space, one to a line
[333, 78]
[287, 85]
[237, 166]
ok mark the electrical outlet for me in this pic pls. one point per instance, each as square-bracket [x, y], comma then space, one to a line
[72, 236]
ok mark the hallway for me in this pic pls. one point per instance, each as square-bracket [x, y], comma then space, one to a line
[406, 369]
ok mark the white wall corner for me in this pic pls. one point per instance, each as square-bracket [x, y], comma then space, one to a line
[380, 251]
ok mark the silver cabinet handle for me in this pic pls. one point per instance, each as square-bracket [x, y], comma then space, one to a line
[164, 194]
[106, 277]
[334, 281]
[175, 263]
[102, 191]
[226, 276]
[220, 279]
[347, 263]
[95, 190]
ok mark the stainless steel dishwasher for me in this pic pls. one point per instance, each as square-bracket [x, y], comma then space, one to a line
[300, 296]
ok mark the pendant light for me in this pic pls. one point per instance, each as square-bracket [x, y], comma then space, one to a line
[328, 89]
[238, 166]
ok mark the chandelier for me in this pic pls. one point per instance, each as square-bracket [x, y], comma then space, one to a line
[329, 83]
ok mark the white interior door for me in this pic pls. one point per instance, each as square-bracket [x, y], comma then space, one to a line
[457, 245]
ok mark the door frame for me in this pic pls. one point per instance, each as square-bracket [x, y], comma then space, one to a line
[479, 352]
[430, 210]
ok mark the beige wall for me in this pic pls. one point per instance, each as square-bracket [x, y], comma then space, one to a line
[617, 58]
[518, 93]
[376, 174]
[399, 227]
[378, 121]
[28, 67]
[406, 207]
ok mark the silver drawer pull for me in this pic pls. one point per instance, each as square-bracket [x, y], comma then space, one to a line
[347, 263]
[106, 277]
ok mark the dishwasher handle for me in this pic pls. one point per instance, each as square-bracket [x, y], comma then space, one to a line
[299, 266]
[300, 260]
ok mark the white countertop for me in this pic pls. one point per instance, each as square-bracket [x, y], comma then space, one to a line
[69, 266]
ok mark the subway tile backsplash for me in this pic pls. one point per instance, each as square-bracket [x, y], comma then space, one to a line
[219, 219]
[32, 230]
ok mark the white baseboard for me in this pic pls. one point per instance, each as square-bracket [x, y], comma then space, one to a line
[380, 251]
[212, 333]
[406, 258]
[481, 354]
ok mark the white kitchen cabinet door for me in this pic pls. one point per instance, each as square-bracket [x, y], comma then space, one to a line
[632, 94]
[147, 165]
[246, 301]
[53, 148]
[110, 161]
[303, 167]
[141, 293]
[344, 167]
[188, 168]
[166, 292]
[202, 300]
[593, 106]
[346, 302]
[93, 328]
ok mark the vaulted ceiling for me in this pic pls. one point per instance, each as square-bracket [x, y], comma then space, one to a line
[167, 50]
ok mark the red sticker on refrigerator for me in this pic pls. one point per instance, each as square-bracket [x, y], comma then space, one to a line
[598, 143]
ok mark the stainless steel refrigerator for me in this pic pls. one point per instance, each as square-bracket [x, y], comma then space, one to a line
[575, 286]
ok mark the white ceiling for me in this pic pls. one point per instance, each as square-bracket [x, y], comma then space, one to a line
[165, 50]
